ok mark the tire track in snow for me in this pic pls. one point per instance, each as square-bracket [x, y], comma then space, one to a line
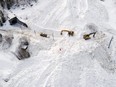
[25, 74]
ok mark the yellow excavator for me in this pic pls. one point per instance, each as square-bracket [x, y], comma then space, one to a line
[70, 33]
[87, 36]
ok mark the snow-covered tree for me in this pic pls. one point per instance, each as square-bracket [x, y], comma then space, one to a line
[9, 3]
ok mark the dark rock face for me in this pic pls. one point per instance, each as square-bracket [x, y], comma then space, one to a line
[23, 52]
[1, 24]
[2, 18]
[15, 20]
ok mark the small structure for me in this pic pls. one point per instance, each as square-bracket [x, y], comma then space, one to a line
[70, 33]
[15, 20]
[87, 36]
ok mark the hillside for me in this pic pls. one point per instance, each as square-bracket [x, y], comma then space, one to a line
[40, 51]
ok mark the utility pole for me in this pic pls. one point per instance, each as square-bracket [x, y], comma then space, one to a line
[110, 42]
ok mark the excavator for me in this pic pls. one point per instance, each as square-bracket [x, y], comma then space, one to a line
[87, 36]
[70, 33]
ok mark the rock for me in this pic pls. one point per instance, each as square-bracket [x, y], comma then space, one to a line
[1, 38]
[7, 42]
[23, 52]
[15, 20]
[2, 18]
[1, 24]
[24, 41]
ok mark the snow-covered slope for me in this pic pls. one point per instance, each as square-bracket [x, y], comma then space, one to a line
[60, 60]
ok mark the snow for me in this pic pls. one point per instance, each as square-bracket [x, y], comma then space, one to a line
[60, 60]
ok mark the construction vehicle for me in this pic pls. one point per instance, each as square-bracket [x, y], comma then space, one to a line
[70, 33]
[43, 35]
[87, 36]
